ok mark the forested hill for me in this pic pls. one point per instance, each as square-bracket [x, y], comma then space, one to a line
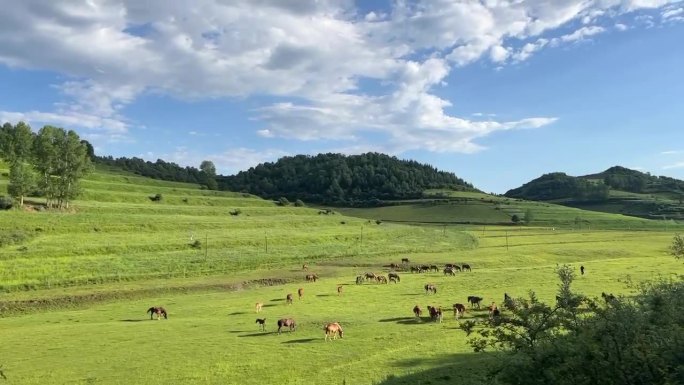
[339, 179]
[615, 190]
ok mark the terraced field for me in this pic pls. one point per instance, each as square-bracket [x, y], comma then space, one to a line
[76, 286]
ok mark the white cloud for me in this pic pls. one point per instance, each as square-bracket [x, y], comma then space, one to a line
[621, 27]
[671, 13]
[674, 166]
[671, 152]
[227, 162]
[311, 55]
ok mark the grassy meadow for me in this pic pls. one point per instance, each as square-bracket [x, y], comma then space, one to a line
[75, 284]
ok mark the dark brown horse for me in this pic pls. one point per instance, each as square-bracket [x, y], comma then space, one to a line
[262, 323]
[287, 322]
[159, 311]
[417, 311]
[404, 260]
[474, 300]
[359, 280]
[430, 288]
[311, 277]
[339, 289]
[288, 299]
[434, 268]
[381, 278]
[394, 276]
[465, 267]
[435, 313]
[369, 276]
[449, 271]
[332, 330]
[459, 310]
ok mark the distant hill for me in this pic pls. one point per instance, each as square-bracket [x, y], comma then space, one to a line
[355, 180]
[615, 190]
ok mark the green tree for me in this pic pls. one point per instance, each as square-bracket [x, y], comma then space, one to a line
[515, 218]
[22, 181]
[209, 173]
[677, 246]
[529, 216]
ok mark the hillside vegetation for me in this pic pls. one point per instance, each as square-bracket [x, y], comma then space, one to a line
[342, 180]
[616, 190]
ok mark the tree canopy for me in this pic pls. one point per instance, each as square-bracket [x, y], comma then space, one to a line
[339, 179]
[558, 185]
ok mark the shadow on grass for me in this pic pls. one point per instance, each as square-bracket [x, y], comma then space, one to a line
[412, 294]
[260, 334]
[237, 313]
[300, 341]
[407, 320]
[134, 320]
[463, 369]
[277, 300]
[324, 295]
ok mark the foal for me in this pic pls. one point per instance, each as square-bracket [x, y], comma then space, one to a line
[300, 293]
[332, 330]
[339, 290]
[258, 306]
[288, 299]
[262, 323]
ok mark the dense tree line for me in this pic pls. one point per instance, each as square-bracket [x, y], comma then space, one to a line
[339, 179]
[621, 178]
[49, 163]
[160, 169]
[580, 341]
[560, 186]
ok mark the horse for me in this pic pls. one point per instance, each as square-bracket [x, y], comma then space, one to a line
[435, 313]
[262, 323]
[258, 306]
[417, 311]
[394, 276]
[448, 265]
[459, 310]
[305, 267]
[381, 278]
[456, 268]
[339, 289]
[159, 311]
[415, 269]
[359, 280]
[449, 271]
[287, 322]
[465, 267]
[288, 299]
[369, 276]
[300, 293]
[311, 277]
[424, 268]
[474, 300]
[404, 260]
[434, 268]
[392, 279]
[430, 288]
[493, 311]
[582, 269]
[332, 330]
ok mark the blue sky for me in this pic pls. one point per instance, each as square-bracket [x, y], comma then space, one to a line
[497, 91]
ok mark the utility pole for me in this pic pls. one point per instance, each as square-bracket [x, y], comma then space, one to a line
[361, 235]
[206, 245]
[506, 240]
[266, 238]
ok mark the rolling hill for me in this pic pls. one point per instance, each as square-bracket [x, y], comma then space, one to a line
[616, 190]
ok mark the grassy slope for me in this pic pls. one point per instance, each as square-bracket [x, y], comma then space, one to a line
[125, 242]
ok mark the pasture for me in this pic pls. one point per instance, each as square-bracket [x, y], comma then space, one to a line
[96, 269]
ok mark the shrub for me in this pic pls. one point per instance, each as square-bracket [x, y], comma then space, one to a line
[299, 203]
[677, 247]
[6, 203]
[196, 245]
[235, 212]
[515, 218]
[283, 201]
[156, 198]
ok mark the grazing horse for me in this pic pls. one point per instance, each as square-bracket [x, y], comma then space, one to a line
[424, 268]
[456, 268]
[474, 300]
[459, 310]
[359, 280]
[262, 323]
[417, 311]
[435, 313]
[311, 277]
[430, 288]
[159, 311]
[449, 271]
[394, 276]
[434, 268]
[608, 297]
[369, 276]
[404, 260]
[582, 269]
[305, 267]
[465, 267]
[339, 289]
[381, 278]
[332, 330]
[258, 306]
[287, 322]
[415, 269]
[300, 293]
[288, 299]
[493, 311]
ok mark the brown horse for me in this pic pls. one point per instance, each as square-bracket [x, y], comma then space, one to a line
[359, 280]
[339, 289]
[465, 267]
[258, 306]
[417, 311]
[332, 330]
[159, 311]
[381, 279]
[435, 313]
[459, 310]
[394, 277]
[474, 300]
[287, 322]
[300, 293]
[430, 288]
[449, 271]
[262, 323]
[288, 299]
[369, 276]
[493, 311]
[311, 277]
[404, 260]
[305, 267]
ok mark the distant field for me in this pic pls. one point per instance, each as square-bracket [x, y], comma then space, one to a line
[85, 278]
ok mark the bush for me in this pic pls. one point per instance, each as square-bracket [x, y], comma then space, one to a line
[6, 203]
[677, 247]
[283, 201]
[196, 245]
[515, 218]
[299, 203]
[235, 212]
[156, 198]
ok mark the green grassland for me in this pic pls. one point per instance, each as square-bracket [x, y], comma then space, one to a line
[83, 279]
